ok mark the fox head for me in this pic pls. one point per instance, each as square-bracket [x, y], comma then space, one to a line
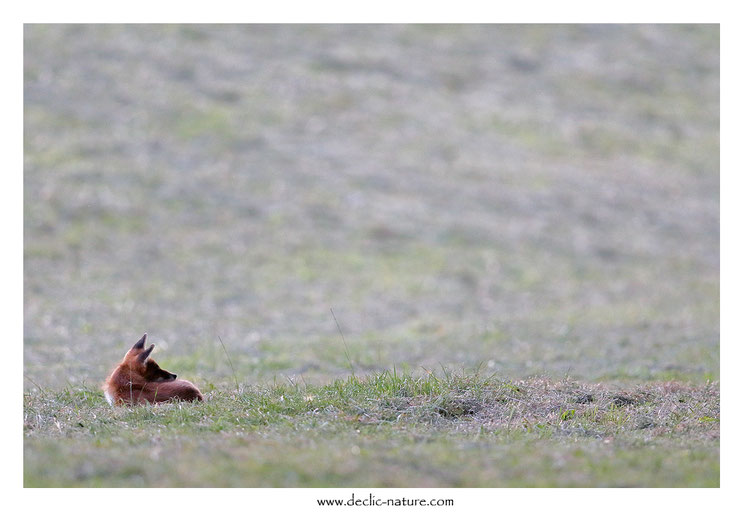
[139, 361]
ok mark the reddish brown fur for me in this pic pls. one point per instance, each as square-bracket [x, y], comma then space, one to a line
[138, 379]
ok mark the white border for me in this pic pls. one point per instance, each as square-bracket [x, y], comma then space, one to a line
[732, 255]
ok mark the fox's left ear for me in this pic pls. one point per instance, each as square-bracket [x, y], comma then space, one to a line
[141, 343]
[144, 355]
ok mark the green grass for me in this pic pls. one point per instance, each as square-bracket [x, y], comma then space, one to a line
[385, 429]
[528, 200]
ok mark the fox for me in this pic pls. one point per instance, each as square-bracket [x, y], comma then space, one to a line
[138, 379]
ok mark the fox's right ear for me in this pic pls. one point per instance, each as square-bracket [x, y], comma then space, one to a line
[141, 343]
[144, 355]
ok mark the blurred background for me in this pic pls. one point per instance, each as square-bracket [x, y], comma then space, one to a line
[527, 200]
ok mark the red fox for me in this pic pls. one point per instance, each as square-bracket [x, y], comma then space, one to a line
[138, 379]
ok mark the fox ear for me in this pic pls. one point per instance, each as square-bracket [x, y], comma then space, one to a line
[141, 343]
[144, 355]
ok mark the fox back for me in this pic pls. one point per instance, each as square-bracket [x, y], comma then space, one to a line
[139, 379]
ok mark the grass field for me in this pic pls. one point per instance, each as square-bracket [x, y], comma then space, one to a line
[505, 221]
[383, 431]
